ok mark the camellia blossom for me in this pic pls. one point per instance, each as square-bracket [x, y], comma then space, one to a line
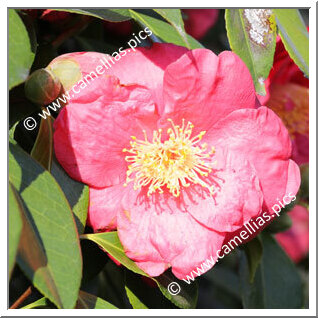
[295, 241]
[175, 151]
[288, 96]
[198, 22]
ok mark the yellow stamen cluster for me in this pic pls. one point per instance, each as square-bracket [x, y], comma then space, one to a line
[174, 163]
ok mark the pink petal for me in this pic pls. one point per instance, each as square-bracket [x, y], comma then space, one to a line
[238, 196]
[144, 66]
[203, 88]
[261, 137]
[91, 132]
[104, 204]
[155, 232]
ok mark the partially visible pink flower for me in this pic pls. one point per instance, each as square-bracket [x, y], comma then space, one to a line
[288, 96]
[54, 15]
[295, 241]
[175, 152]
[197, 22]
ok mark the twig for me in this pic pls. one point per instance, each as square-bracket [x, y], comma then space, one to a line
[22, 298]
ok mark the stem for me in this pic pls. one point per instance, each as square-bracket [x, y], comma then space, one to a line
[22, 298]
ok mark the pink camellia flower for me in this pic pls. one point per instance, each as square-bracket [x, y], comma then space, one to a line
[288, 96]
[174, 151]
[295, 241]
[197, 22]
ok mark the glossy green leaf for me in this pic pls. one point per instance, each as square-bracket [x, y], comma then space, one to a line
[15, 224]
[254, 252]
[42, 150]
[294, 35]
[49, 251]
[277, 283]
[89, 301]
[109, 241]
[142, 293]
[20, 53]
[42, 303]
[188, 296]
[164, 30]
[76, 193]
[174, 17]
[134, 300]
[257, 51]
[112, 15]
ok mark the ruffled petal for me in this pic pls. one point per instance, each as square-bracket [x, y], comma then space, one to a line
[203, 88]
[238, 196]
[91, 132]
[143, 66]
[260, 137]
[157, 234]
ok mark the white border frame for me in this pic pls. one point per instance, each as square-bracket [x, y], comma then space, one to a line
[312, 163]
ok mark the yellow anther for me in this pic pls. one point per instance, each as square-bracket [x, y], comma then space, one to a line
[175, 163]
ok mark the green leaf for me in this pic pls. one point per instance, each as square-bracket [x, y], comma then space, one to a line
[256, 52]
[49, 251]
[164, 30]
[224, 278]
[109, 241]
[188, 296]
[143, 293]
[42, 150]
[294, 35]
[15, 224]
[134, 300]
[84, 301]
[174, 17]
[42, 303]
[89, 301]
[254, 252]
[20, 53]
[112, 15]
[277, 284]
[76, 193]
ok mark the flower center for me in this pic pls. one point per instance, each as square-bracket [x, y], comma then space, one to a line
[174, 163]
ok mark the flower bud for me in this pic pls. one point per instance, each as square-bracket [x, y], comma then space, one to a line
[42, 87]
[66, 70]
